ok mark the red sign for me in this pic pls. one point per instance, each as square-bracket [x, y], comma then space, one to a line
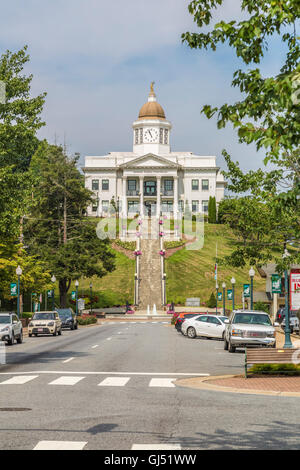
[295, 289]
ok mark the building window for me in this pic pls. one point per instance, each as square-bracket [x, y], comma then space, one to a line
[105, 185]
[94, 208]
[181, 206]
[205, 185]
[136, 136]
[131, 185]
[195, 206]
[167, 206]
[95, 185]
[150, 188]
[161, 136]
[105, 205]
[204, 206]
[166, 137]
[195, 185]
[133, 207]
[168, 185]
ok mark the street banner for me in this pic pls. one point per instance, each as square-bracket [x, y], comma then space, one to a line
[276, 284]
[246, 290]
[49, 294]
[13, 289]
[219, 295]
[229, 294]
[73, 295]
[295, 290]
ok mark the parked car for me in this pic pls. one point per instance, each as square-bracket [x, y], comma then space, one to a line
[294, 322]
[212, 326]
[10, 328]
[45, 323]
[182, 317]
[246, 328]
[68, 318]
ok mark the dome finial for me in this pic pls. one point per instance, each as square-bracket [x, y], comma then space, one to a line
[151, 87]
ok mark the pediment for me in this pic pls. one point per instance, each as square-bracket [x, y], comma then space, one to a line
[150, 161]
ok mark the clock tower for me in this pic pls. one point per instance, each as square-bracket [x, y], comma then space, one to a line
[151, 131]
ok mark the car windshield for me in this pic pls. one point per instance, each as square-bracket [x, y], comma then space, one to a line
[252, 319]
[65, 315]
[4, 319]
[44, 316]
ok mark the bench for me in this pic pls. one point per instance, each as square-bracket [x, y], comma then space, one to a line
[268, 356]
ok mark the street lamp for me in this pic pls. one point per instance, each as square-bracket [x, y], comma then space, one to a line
[53, 279]
[19, 273]
[287, 331]
[224, 287]
[217, 290]
[91, 293]
[251, 274]
[232, 283]
[76, 285]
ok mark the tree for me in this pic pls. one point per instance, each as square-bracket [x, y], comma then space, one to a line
[20, 114]
[57, 228]
[212, 210]
[212, 301]
[268, 113]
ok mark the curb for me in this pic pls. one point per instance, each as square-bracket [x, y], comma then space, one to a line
[200, 383]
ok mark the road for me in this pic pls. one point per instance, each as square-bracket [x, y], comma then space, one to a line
[111, 387]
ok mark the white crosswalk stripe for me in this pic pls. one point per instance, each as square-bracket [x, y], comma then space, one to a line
[114, 382]
[161, 383]
[156, 447]
[66, 380]
[60, 445]
[19, 380]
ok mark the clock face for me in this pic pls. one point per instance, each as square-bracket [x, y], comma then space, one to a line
[151, 135]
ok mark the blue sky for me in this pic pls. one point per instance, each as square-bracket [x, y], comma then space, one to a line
[96, 60]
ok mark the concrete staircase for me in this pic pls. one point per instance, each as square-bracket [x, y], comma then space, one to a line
[150, 289]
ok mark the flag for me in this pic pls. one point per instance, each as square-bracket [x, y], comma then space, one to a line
[216, 271]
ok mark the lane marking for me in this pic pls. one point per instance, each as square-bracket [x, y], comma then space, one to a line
[60, 445]
[161, 383]
[19, 380]
[66, 381]
[108, 339]
[156, 447]
[114, 382]
[95, 346]
[68, 360]
[64, 372]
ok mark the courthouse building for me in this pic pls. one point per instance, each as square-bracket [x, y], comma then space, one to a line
[152, 179]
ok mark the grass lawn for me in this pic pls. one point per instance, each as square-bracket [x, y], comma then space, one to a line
[191, 273]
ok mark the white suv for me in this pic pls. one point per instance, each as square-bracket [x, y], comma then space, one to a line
[10, 328]
[248, 328]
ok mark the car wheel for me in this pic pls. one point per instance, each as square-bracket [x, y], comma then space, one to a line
[59, 332]
[20, 339]
[11, 341]
[231, 348]
[55, 333]
[191, 332]
[30, 335]
[225, 344]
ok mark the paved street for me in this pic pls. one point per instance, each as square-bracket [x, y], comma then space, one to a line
[111, 387]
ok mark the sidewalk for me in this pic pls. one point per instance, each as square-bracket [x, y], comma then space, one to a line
[288, 386]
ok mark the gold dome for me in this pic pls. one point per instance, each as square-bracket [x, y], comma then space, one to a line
[152, 109]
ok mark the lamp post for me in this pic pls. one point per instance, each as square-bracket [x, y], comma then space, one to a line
[287, 331]
[251, 274]
[217, 291]
[224, 287]
[76, 285]
[91, 294]
[232, 283]
[53, 279]
[19, 273]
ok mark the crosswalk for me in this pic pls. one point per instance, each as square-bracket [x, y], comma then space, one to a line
[110, 381]
[80, 445]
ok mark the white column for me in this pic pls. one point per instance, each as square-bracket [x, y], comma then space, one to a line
[158, 188]
[124, 198]
[142, 196]
[175, 206]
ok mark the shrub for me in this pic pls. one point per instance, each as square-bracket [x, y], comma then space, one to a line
[86, 320]
[277, 369]
[261, 306]
[212, 301]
